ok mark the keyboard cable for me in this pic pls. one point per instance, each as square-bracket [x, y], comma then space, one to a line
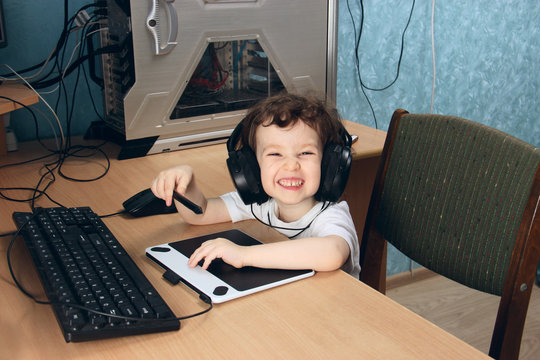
[15, 234]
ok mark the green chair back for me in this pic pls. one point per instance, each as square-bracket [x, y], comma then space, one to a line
[453, 197]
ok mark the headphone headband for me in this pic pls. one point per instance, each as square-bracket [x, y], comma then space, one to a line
[234, 137]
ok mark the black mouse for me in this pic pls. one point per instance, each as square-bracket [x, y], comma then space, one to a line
[145, 203]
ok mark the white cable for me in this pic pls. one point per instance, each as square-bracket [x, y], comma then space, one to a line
[51, 125]
[69, 62]
[433, 55]
[65, 70]
[97, 30]
[45, 102]
[30, 76]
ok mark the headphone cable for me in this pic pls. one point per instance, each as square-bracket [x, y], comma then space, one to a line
[301, 230]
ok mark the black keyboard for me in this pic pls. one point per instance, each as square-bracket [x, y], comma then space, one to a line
[81, 262]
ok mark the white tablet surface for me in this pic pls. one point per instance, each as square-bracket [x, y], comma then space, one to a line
[221, 281]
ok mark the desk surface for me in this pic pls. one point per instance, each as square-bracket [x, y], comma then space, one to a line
[17, 92]
[20, 94]
[330, 315]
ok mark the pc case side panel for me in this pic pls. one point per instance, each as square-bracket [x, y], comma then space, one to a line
[293, 33]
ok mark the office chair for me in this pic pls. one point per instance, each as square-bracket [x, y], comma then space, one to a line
[461, 199]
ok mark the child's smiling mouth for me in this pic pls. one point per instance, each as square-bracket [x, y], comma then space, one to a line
[292, 183]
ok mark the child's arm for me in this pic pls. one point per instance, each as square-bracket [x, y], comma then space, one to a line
[182, 179]
[317, 253]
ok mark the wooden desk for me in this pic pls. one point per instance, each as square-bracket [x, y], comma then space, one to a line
[331, 315]
[17, 92]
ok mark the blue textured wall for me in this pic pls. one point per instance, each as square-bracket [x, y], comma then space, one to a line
[487, 65]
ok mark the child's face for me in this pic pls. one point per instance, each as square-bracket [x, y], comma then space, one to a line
[290, 162]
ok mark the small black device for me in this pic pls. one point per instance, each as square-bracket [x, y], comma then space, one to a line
[246, 174]
[145, 203]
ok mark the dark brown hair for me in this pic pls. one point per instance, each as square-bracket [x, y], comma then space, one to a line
[286, 110]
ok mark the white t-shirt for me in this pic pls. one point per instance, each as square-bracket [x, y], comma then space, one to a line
[335, 219]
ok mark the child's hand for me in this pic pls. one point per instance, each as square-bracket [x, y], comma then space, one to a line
[177, 178]
[220, 248]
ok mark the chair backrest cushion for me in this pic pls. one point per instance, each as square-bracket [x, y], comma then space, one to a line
[453, 197]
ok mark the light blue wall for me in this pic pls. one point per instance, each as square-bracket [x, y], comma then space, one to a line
[487, 65]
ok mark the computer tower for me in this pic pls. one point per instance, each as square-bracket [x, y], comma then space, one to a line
[184, 72]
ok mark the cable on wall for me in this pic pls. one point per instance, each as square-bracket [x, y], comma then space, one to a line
[358, 37]
[62, 138]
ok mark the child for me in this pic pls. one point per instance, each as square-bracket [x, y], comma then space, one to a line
[287, 135]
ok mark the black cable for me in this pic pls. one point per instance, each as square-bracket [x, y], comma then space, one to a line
[358, 37]
[8, 255]
[203, 297]
[42, 82]
[357, 61]
[83, 42]
[92, 66]
[34, 190]
[65, 153]
[37, 191]
[68, 28]
[33, 198]
[301, 230]
[59, 64]
[61, 41]
[104, 50]
[50, 167]
[27, 161]
[114, 214]
[33, 117]
[70, 106]
[92, 70]
[50, 171]
[400, 52]
[67, 149]
[73, 151]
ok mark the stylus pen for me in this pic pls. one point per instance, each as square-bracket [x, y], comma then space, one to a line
[188, 203]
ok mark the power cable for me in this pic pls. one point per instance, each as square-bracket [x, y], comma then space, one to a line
[358, 37]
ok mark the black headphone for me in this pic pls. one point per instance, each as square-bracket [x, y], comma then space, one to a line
[246, 174]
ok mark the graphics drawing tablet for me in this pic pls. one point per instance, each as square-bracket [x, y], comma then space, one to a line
[221, 281]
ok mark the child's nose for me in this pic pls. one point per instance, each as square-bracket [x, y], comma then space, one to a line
[291, 163]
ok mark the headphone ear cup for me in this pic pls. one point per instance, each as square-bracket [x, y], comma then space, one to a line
[335, 171]
[246, 175]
